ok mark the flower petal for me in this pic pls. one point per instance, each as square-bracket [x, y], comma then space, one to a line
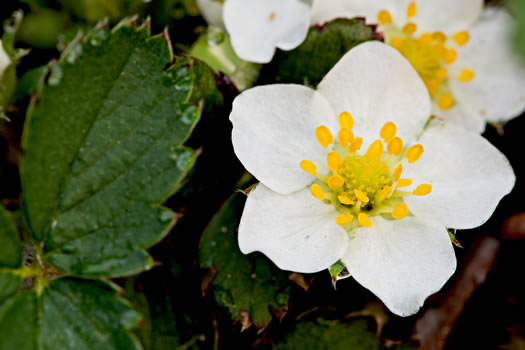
[297, 232]
[468, 175]
[327, 10]
[460, 117]
[376, 84]
[5, 61]
[447, 16]
[496, 93]
[257, 27]
[401, 261]
[274, 130]
[211, 10]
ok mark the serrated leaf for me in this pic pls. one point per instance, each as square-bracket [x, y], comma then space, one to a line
[322, 48]
[10, 257]
[243, 283]
[325, 335]
[70, 314]
[103, 149]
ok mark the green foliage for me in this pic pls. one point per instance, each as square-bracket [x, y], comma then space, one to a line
[241, 283]
[323, 47]
[325, 335]
[518, 7]
[10, 257]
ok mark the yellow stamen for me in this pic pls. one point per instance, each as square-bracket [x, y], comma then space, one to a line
[375, 150]
[400, 211]
[345, 136]
[309, 167]
[409, 28]
[362, 197]
[422, 190]
[323, 136]
[363, 220]
[385, 192]
[384, 17]
[346, 120]
[395, 146]
[450, 56]
[317, 192]
[425, 39]
[461, 38]
[397, 172]
[344, 219]
[413, 153]
[439, 37]
[466, 75]
[446, 101]
[411, 10]
[344, 199]
[441, 74]
[388, 131]
[404, 182]
[335, 182]
[396, 42]
[334, 160]
[355, 144]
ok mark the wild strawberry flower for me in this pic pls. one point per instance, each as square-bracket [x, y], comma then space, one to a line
[460, 50]
[258, 27]
[348, 172]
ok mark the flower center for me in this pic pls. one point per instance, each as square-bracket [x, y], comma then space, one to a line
[363, 185]
[429, 53]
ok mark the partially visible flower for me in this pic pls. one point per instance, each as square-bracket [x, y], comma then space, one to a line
[5, 61]
[349, 173]
[258, 27]
[460, 50]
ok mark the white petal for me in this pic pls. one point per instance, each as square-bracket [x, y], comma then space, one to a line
[257, 27]
[327, 10]
[460, 117]
[5, 61]
[211, 10]
[447, 16]
[401, 261]
[468, 175]
[497, 92]
[376, 84]
[274, 129]
[297, 232]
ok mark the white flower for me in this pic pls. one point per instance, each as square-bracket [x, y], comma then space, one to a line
[5, 61]
[258, 27]
[383, 213]
[460, 50]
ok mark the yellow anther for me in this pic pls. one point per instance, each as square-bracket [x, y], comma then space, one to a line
[363, 220]
[441, 74]
[397, 42]
[309, 167]
[384, 17]
[323, 136]
[439, 37]
[361, 196]
[449, 56]
[422, 190]
[466, 75]
[345, 136]
[425, 39]
[346, 120]
[461, 38]
[409, 28]
[375, 150]
[317, 192]
[385, 192]
[355, 144]
[334, 160]
[413, 153]
[344, 219]
[388, 131]
[335, 182]
[404, 182]
[400, 211]
[411, 10]
[446, 101]
[344, 199]
[395, 146]
[432, 86]
[397, 172]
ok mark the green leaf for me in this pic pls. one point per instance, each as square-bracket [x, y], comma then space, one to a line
[10, 257]
[518, 7]
[103, 149]
[70, 314]
[243, 283]
[325, 335]
[322, 48]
